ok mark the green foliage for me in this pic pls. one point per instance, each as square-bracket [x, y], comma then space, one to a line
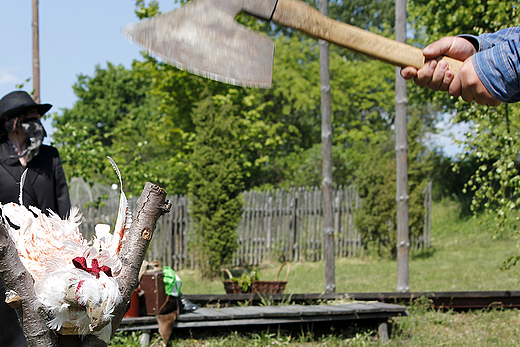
[142, 11]
[126, 339]
[493, 143]
[116, 115]
[246, 279]
[143, 117]
[376, 183]
[454, 17]
[362, 105]
[491, 147]
[449, 178]
[162, 124]
[216, 181]
[366, 14]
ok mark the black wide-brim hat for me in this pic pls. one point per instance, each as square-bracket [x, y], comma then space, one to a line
[18, 102]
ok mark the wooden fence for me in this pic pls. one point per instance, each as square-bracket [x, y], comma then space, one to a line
[280, 225]
[286, 225]
[424, 241]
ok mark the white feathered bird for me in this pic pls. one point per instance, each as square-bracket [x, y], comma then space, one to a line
[74, 278]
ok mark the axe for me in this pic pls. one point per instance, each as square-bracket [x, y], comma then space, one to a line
[203, 38]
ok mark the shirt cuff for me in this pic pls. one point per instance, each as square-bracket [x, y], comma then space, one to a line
[473, 40]
[498, 69]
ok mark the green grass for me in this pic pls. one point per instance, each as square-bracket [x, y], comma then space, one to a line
[466, 255]
[427, 327]
[424, 327]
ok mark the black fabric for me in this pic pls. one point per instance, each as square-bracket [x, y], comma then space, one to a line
[11, 334]
[18, 102]
[45, 185]
[15, 104]
[45, 188]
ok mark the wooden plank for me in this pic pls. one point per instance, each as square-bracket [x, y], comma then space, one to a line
[258, 315]
[262, 321]
[179, 233]
[254, 229]
[230, 313]
[269, 226]
[339, 228]
[456, 300]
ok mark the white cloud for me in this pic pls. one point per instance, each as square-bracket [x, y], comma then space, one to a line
[7, 76]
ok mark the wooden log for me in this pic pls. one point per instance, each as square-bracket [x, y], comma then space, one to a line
[383, 332]
[30, 312]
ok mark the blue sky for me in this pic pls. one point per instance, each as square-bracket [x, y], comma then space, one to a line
[75, 36]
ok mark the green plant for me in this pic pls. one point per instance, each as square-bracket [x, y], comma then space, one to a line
[246, 279]
[216, 182]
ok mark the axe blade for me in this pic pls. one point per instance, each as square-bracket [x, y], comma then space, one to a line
[198, 39]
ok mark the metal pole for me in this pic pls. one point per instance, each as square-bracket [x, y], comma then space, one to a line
[36, 52]
[326, 139]
[401, 103]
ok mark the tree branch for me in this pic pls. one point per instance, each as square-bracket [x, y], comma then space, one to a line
[15, 277]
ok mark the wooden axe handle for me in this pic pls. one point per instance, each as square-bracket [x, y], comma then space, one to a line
[297, 14]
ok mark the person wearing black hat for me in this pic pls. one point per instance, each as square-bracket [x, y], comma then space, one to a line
[21, 136]
[45, 186]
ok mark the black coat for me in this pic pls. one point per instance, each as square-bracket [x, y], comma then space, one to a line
[46, 188]
[45, 185]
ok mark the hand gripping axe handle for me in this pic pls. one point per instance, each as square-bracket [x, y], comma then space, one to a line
[204, 38]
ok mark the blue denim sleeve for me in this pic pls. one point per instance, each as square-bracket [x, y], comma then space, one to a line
[497, 63]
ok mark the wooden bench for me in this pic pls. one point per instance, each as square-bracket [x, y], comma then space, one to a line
[376, 313]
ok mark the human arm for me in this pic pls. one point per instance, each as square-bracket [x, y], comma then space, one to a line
[436, 75]
[498, 64]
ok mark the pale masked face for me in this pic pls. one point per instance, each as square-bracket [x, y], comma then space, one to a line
[27, 128]
[27, 116]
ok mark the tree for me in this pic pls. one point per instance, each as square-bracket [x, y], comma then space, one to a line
[376, 183]
[376, 218]
[143, 116]
[492, 142]
[148, 117]
[116, 115]
[216, 181]
[454, 17]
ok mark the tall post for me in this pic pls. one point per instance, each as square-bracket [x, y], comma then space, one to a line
[326, 140]
[402, 197]
[36, 51]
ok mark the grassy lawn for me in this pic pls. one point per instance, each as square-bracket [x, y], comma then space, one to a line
[423, 328]
[466, 255]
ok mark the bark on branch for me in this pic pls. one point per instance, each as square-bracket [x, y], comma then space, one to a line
[31, 313]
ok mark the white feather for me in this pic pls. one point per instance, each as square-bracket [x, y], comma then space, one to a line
[124, 215]
[22, 182]
[48, 244]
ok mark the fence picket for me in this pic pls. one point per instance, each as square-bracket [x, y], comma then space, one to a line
[276, 225]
